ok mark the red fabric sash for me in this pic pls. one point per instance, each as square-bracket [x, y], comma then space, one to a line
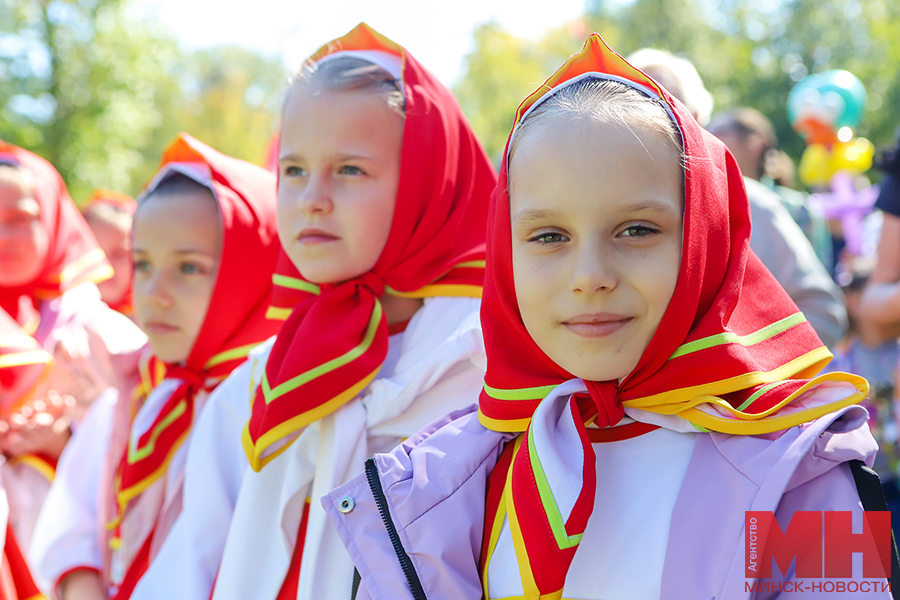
[17, 582]
[336, 338]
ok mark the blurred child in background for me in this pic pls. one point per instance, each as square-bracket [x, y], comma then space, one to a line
[109, 216]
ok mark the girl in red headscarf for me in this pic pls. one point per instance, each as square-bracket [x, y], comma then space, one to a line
[383, 194]
[109, 216]
[49, 265]
[205, 244]
[648, 381]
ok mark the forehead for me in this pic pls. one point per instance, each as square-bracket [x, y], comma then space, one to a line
[589, 167]
[177, 218]
[16, 193]
[320, 121]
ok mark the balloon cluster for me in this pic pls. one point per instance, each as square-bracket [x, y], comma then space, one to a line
[824, 109]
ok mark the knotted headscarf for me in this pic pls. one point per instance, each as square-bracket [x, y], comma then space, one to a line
[732, 354]
[336, 337]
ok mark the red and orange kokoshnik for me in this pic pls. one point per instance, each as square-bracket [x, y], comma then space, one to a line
[732, 353]
[336, 337]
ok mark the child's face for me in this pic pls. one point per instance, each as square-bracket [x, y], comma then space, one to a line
[23, 239]
[338, 177]
[115, 239]
[596, 213]
[177, 244]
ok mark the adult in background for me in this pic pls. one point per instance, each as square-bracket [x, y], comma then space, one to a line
[880, 304]
[751, 138]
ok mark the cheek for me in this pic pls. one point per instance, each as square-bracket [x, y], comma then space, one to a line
[286, 212]
[534, 290]
[661, 279]
[372, 227]
[33, 244]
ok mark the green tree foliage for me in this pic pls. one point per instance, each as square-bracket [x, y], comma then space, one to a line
[749, 53]
[499, 72]
[99, 92]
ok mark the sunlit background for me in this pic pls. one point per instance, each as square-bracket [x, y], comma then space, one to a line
[99, 87]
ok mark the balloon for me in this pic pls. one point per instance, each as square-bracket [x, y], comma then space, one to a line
[821, 105]
[814, 168]
[855, 156]
[818, 164]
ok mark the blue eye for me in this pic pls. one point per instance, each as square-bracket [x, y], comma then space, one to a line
[141, 266]
[550, 237]
[293, 171]
[351, 170]
[189, 268]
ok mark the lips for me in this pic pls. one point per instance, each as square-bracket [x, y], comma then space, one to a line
[312, 235]
[596, 325]
[159, 327]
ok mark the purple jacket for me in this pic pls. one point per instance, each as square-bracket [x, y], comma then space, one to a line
[434, 488]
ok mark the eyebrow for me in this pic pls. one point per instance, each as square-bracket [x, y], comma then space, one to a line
[651, 206]
[297, 157]
[526, 217]
[183, 252]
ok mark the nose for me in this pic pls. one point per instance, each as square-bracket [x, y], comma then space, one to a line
[315, 199]
[594, 268]
[157, 289]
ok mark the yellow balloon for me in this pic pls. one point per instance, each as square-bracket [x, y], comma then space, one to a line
[815, 165]
[854, 156]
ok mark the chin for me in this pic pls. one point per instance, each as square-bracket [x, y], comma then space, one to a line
[592, 373]
[168, 355]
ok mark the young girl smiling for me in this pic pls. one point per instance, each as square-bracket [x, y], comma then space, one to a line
[382, 199]
[205, 245]
[648, 380]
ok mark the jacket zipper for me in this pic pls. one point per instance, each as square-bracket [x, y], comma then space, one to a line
[412, 578]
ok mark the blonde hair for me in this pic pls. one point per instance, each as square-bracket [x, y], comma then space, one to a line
[348, 73]
[605, 101]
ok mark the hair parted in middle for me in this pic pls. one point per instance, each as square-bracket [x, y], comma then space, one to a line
[346, 74]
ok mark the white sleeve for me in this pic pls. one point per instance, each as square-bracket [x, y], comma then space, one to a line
[67, 534]
[187, 563]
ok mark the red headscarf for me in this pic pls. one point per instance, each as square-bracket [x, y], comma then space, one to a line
[73, 256]
[336, 338]
[235, 320]
[22, 363]
[732, 348]
[125, 204]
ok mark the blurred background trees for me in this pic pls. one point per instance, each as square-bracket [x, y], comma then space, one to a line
[99, 90]
[748, 52]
